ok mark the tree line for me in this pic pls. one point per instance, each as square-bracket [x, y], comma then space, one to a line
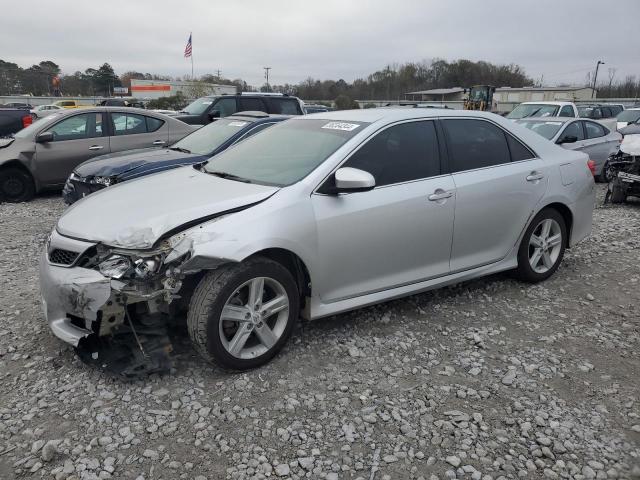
[391, 82]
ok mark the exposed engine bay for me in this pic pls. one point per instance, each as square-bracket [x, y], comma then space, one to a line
[623, 167]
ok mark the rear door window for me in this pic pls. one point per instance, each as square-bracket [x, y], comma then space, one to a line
[252, 105]
[518, 150]
[475, 144]
[285, 106]
[128, 124]
[401, 153]
[594, 130]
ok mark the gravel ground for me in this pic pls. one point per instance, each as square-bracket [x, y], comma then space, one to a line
[489, 379]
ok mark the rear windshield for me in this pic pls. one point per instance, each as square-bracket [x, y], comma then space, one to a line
[630, 116]
[547, 129]
[198, 106]
[533, 110]
[208, 138]
[286, 153]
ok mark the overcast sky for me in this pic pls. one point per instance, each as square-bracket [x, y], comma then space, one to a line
[325, 39]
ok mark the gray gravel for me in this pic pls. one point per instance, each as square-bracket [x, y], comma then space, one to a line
[486, 380]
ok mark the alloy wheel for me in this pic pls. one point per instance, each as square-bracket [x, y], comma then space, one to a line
[254, 318]
[545, 245]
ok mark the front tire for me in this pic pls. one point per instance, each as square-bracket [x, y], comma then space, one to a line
[16, 185]
[618, 191]
[542, 246]
[241, 315]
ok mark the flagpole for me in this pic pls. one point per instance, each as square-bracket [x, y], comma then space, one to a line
[191, 37]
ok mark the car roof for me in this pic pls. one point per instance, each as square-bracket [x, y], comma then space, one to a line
[390, 114]
[548, 119]
[541, 102]
[256, 117]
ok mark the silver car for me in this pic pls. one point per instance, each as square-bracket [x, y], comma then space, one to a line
[43, 155]
[586, 136]
[315, 216]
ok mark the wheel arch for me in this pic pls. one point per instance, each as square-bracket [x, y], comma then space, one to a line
[15, 163]
[567, 216]
[291, 262]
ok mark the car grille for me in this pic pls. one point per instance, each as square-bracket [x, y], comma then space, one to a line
[62, 257]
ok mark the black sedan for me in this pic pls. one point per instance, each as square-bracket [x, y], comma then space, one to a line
[197, 147]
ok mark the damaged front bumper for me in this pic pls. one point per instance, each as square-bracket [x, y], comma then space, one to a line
[72, 297]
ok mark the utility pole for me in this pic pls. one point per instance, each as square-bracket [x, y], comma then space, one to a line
[218, 73]
[266, 75]
[595, 77]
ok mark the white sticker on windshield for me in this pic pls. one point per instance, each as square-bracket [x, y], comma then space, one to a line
[207, 103]
[237, 124]
[553, 123]
[347, 127]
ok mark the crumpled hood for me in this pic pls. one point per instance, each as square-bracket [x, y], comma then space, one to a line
[129, 162]
[136, 214]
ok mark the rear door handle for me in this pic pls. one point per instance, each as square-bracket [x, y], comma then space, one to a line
[439, 194]
[534, 177]
[159, 142]
[96, 147]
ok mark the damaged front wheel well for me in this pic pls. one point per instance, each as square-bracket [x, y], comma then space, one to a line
[294, 264]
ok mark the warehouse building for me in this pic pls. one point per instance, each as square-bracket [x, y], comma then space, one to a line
[542, 94]
[153, 89]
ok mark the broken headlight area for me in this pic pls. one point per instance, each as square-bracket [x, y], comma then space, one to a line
[104, 181]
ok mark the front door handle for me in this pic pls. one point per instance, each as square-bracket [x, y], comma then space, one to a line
[534, 177]
[439, 194]
[96, 147]
[159, 142]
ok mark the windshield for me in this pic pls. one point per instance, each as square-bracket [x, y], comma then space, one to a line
[285, 153]
[206, 139]
[630, 116]
[547, 129]
[31, 129]
[198, 106]
[586, 112]
[533, 110]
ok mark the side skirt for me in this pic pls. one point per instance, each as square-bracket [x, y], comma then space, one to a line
[317, 309]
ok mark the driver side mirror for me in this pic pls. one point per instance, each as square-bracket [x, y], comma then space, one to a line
[44, 137]
[214, 114]
[568, 139]
[349, 179]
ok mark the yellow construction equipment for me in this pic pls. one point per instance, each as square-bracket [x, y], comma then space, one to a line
[480, 98]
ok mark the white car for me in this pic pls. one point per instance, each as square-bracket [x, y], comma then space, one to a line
[624, 118]
[42, 111]
[317, 215]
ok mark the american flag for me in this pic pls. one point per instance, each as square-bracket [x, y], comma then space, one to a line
[187, 49]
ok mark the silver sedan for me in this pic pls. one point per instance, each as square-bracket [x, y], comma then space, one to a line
[315, 216]
[581, 135]
[43, 155]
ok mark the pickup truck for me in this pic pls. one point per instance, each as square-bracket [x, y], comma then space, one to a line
[544, 109]
[69, 104]
[13, 119]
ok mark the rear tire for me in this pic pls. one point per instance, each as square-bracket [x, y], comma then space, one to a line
[542, 246]
[228, 322]
[16, 185]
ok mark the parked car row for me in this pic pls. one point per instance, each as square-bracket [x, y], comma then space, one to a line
[313, 216]
[42, 155]
[197, 147]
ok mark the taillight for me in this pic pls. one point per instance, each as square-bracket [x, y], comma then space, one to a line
[26, 121]
[592, 166]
